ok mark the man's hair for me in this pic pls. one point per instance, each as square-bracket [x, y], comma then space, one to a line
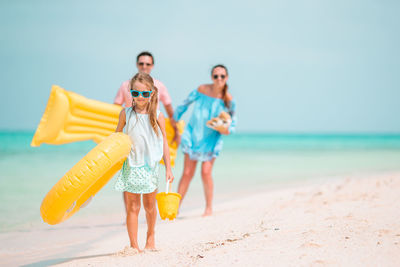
[145, 53]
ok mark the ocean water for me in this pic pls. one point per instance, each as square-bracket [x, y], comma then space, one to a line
[247, 164]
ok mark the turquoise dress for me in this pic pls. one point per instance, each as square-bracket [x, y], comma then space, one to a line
[140, 171]
[198, 141]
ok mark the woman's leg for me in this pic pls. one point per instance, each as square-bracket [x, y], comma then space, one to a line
[188, 171]
[206, 176]
[132, 212]
[149, 203]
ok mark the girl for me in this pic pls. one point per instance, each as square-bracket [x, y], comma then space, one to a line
[200, 143]
[139, 175]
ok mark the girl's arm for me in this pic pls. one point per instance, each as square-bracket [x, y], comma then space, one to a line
[121, 121]
[168, 173]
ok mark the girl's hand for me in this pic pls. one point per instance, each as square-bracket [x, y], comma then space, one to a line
[169, 176]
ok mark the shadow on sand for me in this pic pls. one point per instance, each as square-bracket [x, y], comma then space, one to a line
[61, 260]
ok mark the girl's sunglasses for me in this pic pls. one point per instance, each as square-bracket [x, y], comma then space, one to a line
[216, 76]
[145, 94]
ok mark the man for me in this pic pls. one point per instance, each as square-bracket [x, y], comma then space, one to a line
[145, 63]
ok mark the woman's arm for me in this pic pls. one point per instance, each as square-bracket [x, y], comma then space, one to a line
[232, 112]
[182, 108]
[168, 173]
[232, 126]
[121, 121]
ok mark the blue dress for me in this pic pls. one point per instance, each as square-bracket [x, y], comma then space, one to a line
[198, 141]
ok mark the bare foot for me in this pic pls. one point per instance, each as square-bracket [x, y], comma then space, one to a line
[128, 251]
[207, 212]
[151, 250]
[150, 243]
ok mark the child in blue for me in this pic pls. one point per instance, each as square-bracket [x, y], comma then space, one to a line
[139, 175]
[198, 142]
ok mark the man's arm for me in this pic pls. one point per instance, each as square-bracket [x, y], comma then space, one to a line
[170, 112]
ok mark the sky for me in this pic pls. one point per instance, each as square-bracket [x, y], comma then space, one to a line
[294, 66]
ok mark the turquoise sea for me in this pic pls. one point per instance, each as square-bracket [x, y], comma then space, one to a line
[248, 163]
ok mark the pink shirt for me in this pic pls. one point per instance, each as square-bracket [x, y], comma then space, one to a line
[124, 95]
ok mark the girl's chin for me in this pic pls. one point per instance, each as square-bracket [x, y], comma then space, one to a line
[141, 104]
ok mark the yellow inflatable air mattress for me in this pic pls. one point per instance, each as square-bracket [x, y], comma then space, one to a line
[85, 179]
[70, 117]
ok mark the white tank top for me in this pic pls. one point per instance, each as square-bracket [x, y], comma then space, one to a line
[147, 147]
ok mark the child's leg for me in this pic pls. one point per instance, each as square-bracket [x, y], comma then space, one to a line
[132, 212]
[149, 203]
[188, 171]
[125, 199]
[208, 184]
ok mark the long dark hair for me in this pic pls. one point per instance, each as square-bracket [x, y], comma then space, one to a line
[225, 89]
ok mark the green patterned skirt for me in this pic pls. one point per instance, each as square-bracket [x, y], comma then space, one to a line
[137, 180]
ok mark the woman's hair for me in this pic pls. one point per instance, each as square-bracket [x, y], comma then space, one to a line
[225, 89]
[146, 79]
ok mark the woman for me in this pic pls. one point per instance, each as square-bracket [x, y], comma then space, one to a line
[198, 142]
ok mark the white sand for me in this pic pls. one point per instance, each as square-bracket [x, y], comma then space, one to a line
[346, 222]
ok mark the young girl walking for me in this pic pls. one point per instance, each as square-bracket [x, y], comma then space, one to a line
[139, 175]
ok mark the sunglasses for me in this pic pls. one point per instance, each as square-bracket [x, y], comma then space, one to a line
[145, 94]
[216, 76]
[142, 64]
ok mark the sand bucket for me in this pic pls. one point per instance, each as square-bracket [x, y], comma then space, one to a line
[168, 204]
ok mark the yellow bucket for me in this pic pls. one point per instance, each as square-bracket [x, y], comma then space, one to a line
[168, 204]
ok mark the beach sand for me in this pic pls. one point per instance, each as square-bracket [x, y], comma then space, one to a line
[346, 221]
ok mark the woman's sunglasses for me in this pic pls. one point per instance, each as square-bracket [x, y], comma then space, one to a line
[216, 76]
[142, 64]
[145, 94]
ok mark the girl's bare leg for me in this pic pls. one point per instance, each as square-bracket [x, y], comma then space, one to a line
[208, 184]
[188, 171]
[149, 203]
[125, 199]
[132, 211]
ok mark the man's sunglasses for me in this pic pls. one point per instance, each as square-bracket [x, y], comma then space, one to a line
[216, 76]
[142, 64]
[145, 94]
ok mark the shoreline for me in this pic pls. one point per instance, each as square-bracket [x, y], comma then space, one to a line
[341, 221]
[191, 202]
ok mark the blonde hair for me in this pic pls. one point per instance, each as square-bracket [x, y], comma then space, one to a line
[151, 108]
